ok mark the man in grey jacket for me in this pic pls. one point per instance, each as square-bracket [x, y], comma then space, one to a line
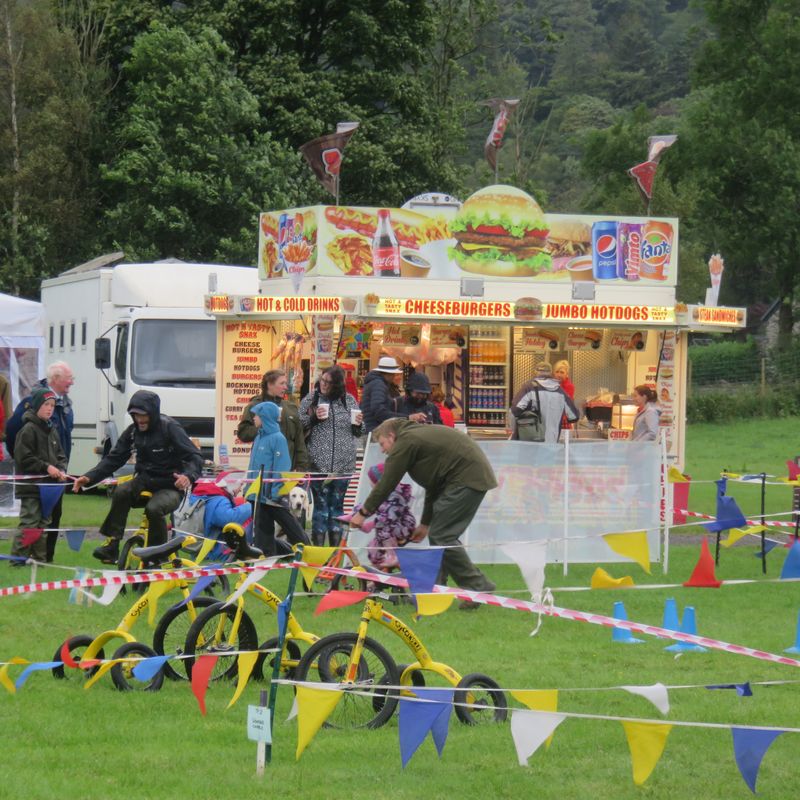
[545, 395]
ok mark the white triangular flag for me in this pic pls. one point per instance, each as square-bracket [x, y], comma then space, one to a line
[531, 729]
[656, 694]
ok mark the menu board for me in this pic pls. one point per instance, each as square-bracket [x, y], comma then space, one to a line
[665, 389]
[245, 359]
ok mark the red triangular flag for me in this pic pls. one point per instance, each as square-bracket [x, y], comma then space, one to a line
[66, 656]
[703, 574]
[30, 536]
[201, 674]
[338, 599]
[794, 470]
[644, 174]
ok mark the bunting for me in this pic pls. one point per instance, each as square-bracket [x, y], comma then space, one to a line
[244, 665]
[602, 580]
[338, 598]
[49, 495]
[538, 700]
[646, 741]
[201, 674]
[314, 706]
[631, 545]
[749, 748]
[531, 558]
[420, 568]
[75, 539]
[417, 719]
[530, 729]
[503, 109]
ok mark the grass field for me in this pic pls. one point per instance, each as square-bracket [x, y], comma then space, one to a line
[59, 739]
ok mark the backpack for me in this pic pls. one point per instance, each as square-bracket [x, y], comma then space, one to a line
[530, 426]
[190, 515]
[14, 424]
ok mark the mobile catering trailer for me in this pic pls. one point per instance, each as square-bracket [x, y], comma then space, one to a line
[475, 297]
[124, 327]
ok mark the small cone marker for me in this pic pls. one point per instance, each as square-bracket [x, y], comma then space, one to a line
[622, 635]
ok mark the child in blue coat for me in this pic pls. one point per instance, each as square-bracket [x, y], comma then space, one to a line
[271, 451]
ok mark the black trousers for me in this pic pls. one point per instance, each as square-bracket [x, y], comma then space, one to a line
[267, 515]
[52, 536]
[126, 496]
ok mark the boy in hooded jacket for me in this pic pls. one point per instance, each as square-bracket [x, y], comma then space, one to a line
[167, 464]
[271, 452]
[38, 451]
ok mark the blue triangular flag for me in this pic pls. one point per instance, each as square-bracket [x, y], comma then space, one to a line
[791, 566]
[35, 668]
[49, 495]
[769, 546]
[749, 747]
[148, 668]
[283, 618]
[75, 539]
[202, 583]
[416, 719]
[420, 568]
[742, 689]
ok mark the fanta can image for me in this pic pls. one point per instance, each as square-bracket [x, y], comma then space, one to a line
[604, 250]
[656, 251]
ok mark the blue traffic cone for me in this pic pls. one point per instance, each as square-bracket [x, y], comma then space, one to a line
[796, 648]
[622, 635]
[670, 622]
[688, 625]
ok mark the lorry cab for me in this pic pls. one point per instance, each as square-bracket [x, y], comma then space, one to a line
[124, 327]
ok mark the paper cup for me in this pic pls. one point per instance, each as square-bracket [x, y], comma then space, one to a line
[413, 265]
[580, 268]
[355, 413]
[297, 270]
[324, 410]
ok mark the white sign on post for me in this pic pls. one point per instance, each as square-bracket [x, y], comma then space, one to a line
[258, 727]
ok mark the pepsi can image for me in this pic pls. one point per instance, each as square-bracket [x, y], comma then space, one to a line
[604, 250]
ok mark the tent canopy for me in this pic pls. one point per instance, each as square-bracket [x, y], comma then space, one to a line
[20, 317]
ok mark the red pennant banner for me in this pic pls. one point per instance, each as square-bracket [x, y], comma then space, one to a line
[201, 674]
[324, 156]
[30, 536]
[644, 174]
[494, 141]
[339, 599]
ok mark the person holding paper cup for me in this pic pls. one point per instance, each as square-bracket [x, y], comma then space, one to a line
[333, 422]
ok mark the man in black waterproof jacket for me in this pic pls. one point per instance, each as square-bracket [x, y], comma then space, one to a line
[167, 464]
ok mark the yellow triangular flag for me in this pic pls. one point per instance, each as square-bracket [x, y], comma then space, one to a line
[539, 700]
[254, 489]
[314, 555]
[245, 664]
[739, 533]
[631, 545]
[428, 605]
[674, 475]
[314, 706]
[291, 480]
[205, 549]
[602, 580]
[646, 741]
[4, 679]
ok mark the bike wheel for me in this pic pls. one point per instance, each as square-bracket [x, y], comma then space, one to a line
[128, 562]
[218, 630]
[77, 644]
[348, 583]
[364, 703]
[171, 631]
[219, 587]
[478, 699]
[122, 673]
[289, 658]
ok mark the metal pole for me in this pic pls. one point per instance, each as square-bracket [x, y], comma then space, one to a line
[763, 521]
[276, 664]
[566, 500]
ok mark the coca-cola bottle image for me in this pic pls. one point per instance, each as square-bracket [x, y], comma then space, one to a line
[385, 250]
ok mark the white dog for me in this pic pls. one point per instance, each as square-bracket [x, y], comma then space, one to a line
[301, 504]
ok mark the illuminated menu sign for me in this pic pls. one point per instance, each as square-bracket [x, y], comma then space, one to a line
[458, 309]
[714, 315]
[266, 304]
[601, 312]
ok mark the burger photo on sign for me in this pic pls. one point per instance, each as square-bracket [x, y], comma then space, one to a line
[502, 231]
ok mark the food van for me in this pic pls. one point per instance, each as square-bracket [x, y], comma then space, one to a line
[473, 296]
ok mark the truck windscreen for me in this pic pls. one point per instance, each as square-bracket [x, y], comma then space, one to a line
[170, 352]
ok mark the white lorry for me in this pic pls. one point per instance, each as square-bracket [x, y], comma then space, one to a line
[124, 327]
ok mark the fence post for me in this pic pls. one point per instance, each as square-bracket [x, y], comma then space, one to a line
[763, 376]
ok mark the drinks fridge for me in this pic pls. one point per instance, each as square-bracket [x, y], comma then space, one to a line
[489, 373]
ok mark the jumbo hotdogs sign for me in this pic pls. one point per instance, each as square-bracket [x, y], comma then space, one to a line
[499, 232]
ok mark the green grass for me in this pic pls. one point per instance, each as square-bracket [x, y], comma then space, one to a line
[61, 739]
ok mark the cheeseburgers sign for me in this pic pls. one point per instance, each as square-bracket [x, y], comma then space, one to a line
[499, 233]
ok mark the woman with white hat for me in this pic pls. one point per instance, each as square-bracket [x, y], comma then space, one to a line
[377, 400]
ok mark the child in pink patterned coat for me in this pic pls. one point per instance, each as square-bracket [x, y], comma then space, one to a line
[394, 524]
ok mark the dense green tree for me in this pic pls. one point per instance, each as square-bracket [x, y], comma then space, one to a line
[741, 145]
[193, 169]
[46, 106]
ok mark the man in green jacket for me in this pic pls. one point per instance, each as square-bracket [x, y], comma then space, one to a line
[455, 475]
[274, 386]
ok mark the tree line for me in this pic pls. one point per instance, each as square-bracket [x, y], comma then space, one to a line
[162, 128]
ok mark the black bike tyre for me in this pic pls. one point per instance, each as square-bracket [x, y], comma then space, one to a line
[172, 629]
[247, 639]
[123, 562]
[497, 697]
[315, 666]
[76, 646]
[119, 671]
[290, 649]
[348, 583]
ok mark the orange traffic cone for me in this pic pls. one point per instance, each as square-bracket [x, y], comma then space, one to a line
[703, 574]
